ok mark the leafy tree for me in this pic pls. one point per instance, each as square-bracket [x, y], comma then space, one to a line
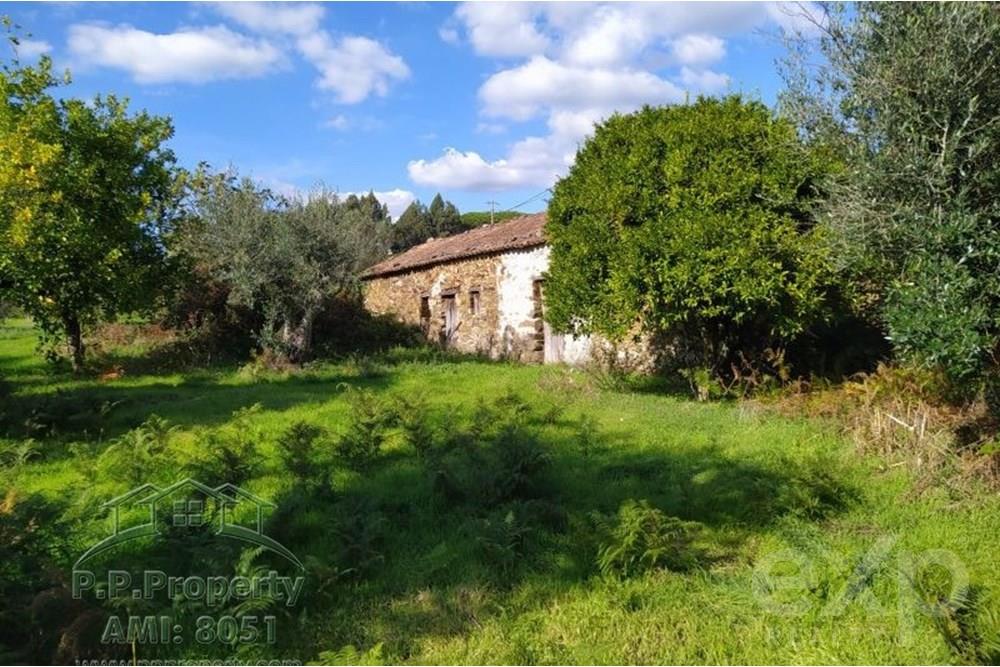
[419, 223]
[282, 258]
[84, 187]
[369, 206]
[412, 228]
[690, 222]
[445, 219]
[909, 96]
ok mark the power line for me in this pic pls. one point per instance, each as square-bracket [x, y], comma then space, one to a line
[528, 200]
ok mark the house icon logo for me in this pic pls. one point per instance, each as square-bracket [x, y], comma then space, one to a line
[187, 504]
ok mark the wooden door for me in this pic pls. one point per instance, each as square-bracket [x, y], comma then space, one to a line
[450, 317]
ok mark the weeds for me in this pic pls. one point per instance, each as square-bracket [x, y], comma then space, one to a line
[643, 538]
[415, 420]
[503, 538]
[297, 449]
[360, 530]
[966, 625]
[229, 453]
[14, 454]
[140, 453]
[370, 420]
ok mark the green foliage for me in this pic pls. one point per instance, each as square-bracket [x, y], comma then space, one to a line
[56, 416]
[903, 95]
[368, 206]
[644, 538]
[140, 453]
[229, 454]
[86, 191]
[415, 420]
[360, 529]
[297, 448]
[370, 418]
[14, 454]
[496, 457]
[966, 625]
[503, 538]
[419, 223]
[391, 559]
[349, 655]
[281, 259]
[692, 222]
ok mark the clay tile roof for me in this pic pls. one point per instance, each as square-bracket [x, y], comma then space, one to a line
[523, 232]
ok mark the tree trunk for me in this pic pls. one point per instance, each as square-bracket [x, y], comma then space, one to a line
[298, 339]
[75, 336]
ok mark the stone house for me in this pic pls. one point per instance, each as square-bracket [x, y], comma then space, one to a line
[481, 292]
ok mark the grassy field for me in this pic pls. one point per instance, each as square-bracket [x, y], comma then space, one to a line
[478, 532]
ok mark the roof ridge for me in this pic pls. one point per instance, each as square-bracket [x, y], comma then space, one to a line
[524, 231]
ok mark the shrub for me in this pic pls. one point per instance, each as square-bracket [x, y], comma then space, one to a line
[139, 453]
[694, 223]
[297, 449]
[643, 538]
[229, 454]
[370, 418]
[502, 538]
[55, 415]
[14, 454]
[415, 422]
[495, 457]
[914, 212]
[360, 530]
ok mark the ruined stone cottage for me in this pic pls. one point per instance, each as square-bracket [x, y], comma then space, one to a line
[481, 291]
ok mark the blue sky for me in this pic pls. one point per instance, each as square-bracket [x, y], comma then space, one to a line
[480, 101]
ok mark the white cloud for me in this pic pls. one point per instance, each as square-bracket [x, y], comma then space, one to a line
[465, 171]
[288, 18]
[612, 37]
[397, 200]
[699, 49]
[522, 92]
[531, 162]
[502, 29]
[577, 63]
[190, 55]
[353, 67]
[704, 81]
[490, 128]
[29, 49]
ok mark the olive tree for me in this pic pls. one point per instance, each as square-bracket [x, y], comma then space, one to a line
[282, 257]
[908, 95]
[691, 222]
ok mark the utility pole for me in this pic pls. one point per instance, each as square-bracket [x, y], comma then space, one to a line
[493, 205]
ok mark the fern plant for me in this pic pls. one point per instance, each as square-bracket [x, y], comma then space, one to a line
[644, 538]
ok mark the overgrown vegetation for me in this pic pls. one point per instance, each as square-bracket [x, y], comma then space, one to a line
[453, 510]
[903, 95]
[488, 521]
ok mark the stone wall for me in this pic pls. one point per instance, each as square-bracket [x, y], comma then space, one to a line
[509, 322]
[476, 332]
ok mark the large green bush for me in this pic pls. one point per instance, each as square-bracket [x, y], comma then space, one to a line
[692, 222]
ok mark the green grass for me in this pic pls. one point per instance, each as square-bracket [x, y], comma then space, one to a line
[772, 502]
